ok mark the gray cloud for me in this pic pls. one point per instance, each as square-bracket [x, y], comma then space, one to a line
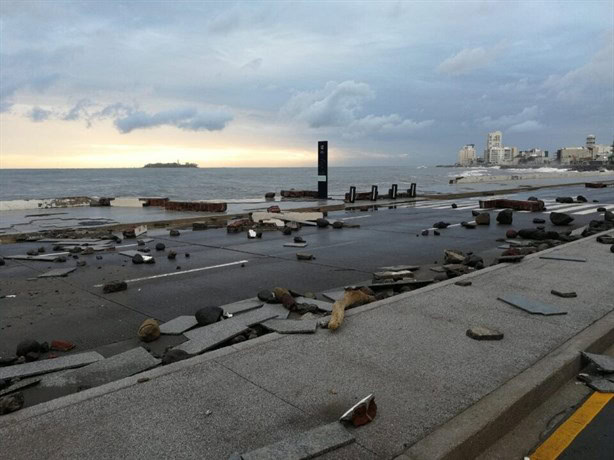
[188, 119]
[468, 60]
[526, 115]
[38, 114]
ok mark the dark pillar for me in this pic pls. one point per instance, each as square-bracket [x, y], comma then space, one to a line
[393, 191]
[374, 193]
[323, 170]
[352, 194]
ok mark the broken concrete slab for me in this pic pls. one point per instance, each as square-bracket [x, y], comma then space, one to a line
[287, 216]
[262, 314]
[108, 370]
[49, 365]
[565, 295]
[57, 272]
[33, 258]
[598, 383]
[25, 383]
[205, 338]
[605, 363]
[178, 325]
[396, 268]
[130, 253]
[484, 333]
[304, 445]
[393, 275]
[292, 326]
[463, 283]
[569, 259]
[531, 306]
[334, 295]
[411, 283]
[324, 306]
[242, 306]
[295, 245]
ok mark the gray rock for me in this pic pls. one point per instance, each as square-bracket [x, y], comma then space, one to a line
[322, 223]
[564, 199]
[174, 355]
[453, 256]
[505, 217]
[174, 233]
[28, 346]
[581, 199]
[537, 220]
[483, 333]
[463, 283]
[208, 315]
[298, 239]
[160, 246]
[482, 218]
[304, 256]
[475, 212]
[560, 218]
[266, 296]
[425, 232]
[454, 206]
[441, 224]
[114, 286]
[171, 255]
[337, 224]
[468, 225]
[81, 263]
[608, 216]
[11, 403]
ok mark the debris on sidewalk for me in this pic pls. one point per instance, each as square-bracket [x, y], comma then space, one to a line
[568, 259]
[242, 306]
[49, 365]
[441, 225]
[605, 239]
[135, 231]
[178, 325]
[393, 275]
[565, 295]
[208, 315]
[295, 245]
[599, 383]
[505, 217]
[351, 298]
[560, 218]
[114, 286]
[463, 283]
[141, 259]
[149, 330]
[484, 333]
[174, 355]
[61, 345]
[604, 363]
[453, 256]
[361, 413]
[531, 306]
[11, 403]
[304, 256]
[28, 346]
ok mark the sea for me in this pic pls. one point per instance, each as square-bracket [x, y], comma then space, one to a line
[228, 184]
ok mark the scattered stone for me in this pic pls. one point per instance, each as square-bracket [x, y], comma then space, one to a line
[441, 224]
[62, 345]
[251, 234]
[475, 212]
[566, 295]
[608, 216]
[174, 232]
[11, 403]
[269, 195]
[322, 223]
[144, 250]
[463, 283]
[338, 224]
[468, 225]
[483, 333]
[304, 256]
[114, 286]
[27, 346]
[581, 199]
[601, 209]
[505, 217]
[88, 251]
[482, 218]
[32, 252]
[436, 233]
[286, 230]
[81, 263]
[453, 256]
[361, 413]
[266, 296]
[171, 255]
[511, 233]
[149, 330]
[425, 232]
[564, 199]
[537, 220]
[60, 259]
[273, 209]
[174, 355]
[208, 315]
[474, 261]
[32, 356]
[512, 259]
[560, 218]
[140, 243]
[2, 262]
[160, 246]
[98, 257]
[454, 206]
[532, 198]
[298, 239]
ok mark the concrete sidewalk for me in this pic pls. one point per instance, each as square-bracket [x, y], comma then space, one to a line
[411, 351]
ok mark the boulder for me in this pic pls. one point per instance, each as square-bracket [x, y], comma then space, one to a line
[171, 255]
[564, 199]
[114, 286]
[441, 224]
[266, 296]
[304, 256]
[28, 346]
[537, 220]
[474, 261]
[608, 216]
[338, 224]
[149, 330]
[160, 246]
[601, 209]
[484, 333]
[138, 259]
[322, 223]
[581, 199]
[532, 198]
[174, 232]
[467, 224]
[560, 218]
[425, 232]
[298, 239]
[453, 256]
[482, 218]
[11, 403]
[505, 217]
[174, 355]
[269, 195]
[208, 315]
[511, 233]
[454, 206]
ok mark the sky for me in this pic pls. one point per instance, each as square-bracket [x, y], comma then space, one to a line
[256, 84]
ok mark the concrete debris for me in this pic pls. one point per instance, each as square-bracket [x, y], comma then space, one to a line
[392, 275]
[469, 225]
[208, 315]
[295, 245]
[361, 413]
[306, 445]
[505, 217]
[174, 355]
[81, 263]
[484, 333]
[238, 226]
[178, 325]
[289, 326]
[396, 268]
[11, 403]
[141, 259]
[604, 363]
[567, 259]
[517, 205]
[531, 306]
[560, 218]
[49, 365]
[160, 246]
[598, 383]
[57, 272]
[134, 232]
[605, 239]
[463, 283]
[149, 330]
[453, 256]
[208, 337]
[351, 298]
[566, 295]
[441, 225]
[304, 256]
[334, 295]
[564, 199]
[319, 304]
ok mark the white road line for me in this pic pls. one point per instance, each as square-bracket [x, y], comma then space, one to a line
[559, 206]
[572, 208]
[357, 217]
[183, 272]
[590, 211]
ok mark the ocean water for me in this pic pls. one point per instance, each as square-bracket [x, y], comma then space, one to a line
[228, 184]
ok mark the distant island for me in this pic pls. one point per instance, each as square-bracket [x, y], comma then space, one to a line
[171, 165]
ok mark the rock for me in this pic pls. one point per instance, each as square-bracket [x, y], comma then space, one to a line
[60, 259]
[304, 256]
[32, 252]
[605, 239]
[62, 345]
[11, 403]
[581, 199]
[441, 224]
[27, 346]
[474, 261]
[98, 257]
[208, 315]
[566, 295]
[564, 199]
[467, 225]
[475, 212]
[612, 248]
[171, 255]
[286, 230]
[505, 217]
[454, 270]
[144, 250]
[273, 209]
[453, 256]
[138, 259]
[269, 195]
[463, 283]
[298, 239]
[174, 355]
[541, 227]
[114, 286]
[75, 250]
[237, 226]
[560, 218]
[338, 224]
[601, 209]
[266, 296]
[88, 251]
[32, 356]
[482, 218]
[160, 246]
[81, 263]
[149, 330]
[2, 262]
[511, 233]
[608, 216]
[140, 243]
[532, 198]
[454, 206]
[322, 223]
[436, 233]
[483, 333]
[309, 295]
[537, 220]
[425, 232]
[279, 292]
[531, 234]
[174, 232]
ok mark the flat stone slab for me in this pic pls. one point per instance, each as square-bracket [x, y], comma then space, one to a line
[178, 325]
[295, 245]
[32, 258]
[484, 333]
[205, 338]
[304, 445]
[324, 306]
[565, 295]
[25, 383]
[57, 272]
[334, 295]
[397, 268]
[410, 282]
[130, 253]
[242, 306]
[49, 365]
[568, 259]
[532, 306]
[603, 362]
[108, 370]
[262, 314]
[292, 326]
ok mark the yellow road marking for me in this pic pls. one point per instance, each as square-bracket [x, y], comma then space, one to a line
[552, 447]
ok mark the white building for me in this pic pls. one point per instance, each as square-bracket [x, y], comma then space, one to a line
[466, 155]
[599, 152]
[495, 153]
[591, 152]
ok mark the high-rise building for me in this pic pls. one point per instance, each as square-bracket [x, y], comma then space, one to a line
[466, 155]
[496, 153]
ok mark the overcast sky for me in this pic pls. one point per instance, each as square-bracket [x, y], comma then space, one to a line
[112, 84]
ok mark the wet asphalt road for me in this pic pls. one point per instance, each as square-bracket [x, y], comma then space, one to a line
[224, 268]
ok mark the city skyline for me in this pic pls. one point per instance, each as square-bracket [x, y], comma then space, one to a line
[98, 84]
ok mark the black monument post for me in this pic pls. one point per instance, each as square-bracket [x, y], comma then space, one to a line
[323, 170]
